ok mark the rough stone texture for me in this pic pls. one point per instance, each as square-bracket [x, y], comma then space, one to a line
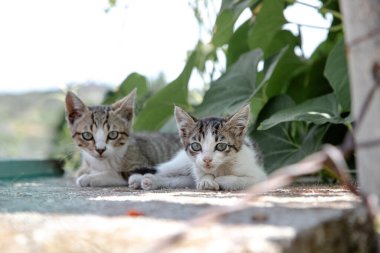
[53, 215]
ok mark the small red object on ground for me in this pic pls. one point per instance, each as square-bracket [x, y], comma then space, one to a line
[134, 213]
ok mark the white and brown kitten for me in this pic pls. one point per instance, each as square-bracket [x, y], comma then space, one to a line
[110, 151]
[217, 155]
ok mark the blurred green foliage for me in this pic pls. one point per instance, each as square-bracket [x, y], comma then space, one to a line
[295, 100]
[297, 103]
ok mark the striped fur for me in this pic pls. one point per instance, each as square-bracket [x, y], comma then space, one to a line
[106, 160]
[217, 155]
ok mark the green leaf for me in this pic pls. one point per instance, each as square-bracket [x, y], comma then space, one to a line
[132, 81]
[288, 142]
[268, 22]
[271, 64]
[238, 43]
[228, 14]
[223, 28]
[234, 88]
[280, 147]
[310, 80]
[237, 86]
[158, 109]
[319, 111]
[289, 65]
[275, 105]
[337, 74]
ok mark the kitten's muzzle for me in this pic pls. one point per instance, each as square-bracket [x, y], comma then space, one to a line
[207, 162]
[100, 150]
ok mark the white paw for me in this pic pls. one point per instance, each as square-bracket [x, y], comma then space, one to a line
[225, 182]
[99, 181]
[207, 184]
[149, 182]
[83, 180]
[134, 181]
[87, 180]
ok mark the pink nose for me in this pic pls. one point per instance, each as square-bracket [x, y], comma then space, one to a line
[207, 160]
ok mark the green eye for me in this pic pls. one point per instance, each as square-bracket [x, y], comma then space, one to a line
[113, 135]
[221, 146]
[87, 136]
[195, 146]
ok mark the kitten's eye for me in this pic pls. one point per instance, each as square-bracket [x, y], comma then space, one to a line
[195, 146]
[113, 135]
[221, 146]
[87, 136]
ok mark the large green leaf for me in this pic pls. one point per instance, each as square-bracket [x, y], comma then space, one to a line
[237, 86]
[259, 97]
[289, 65]
[337, 73]
[279, 147]
[159, 108]
[308, 82]
[288, 142]
[228, 14]
[238, 44]
[223, 28]
[318, 110]
[269, 21]
[132, 81]
[232, 89]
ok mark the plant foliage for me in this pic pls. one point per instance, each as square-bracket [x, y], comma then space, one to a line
[295, 99]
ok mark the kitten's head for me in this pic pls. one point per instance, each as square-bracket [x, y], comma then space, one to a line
[99, 131]
[211, 142]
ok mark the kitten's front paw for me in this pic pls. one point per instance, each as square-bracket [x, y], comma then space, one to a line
[149, 182]
[207, 184]
[134, 181]
[84, 180]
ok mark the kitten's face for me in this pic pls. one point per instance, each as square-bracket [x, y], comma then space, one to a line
[100, 131]
[211, 142]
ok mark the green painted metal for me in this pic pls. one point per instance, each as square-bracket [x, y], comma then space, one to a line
[23, 169]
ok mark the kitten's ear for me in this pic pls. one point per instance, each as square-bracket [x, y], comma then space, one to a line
[75, 108]
[125, 107]
[185, 122]
[238, 123]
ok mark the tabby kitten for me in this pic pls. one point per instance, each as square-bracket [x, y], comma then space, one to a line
[217, 155]
[110, 151]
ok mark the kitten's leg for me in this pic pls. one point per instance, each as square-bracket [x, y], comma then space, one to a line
[179, 165]
[134, 181]
[233, 183]
[151, 182]
[207, 182]
[99, 179]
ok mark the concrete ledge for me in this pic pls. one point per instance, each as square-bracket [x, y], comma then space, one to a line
[53, 215]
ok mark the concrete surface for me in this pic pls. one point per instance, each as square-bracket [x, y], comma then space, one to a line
[53, 215]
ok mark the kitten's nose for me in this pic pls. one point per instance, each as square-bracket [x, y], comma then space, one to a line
[100, 150]
[207, 160]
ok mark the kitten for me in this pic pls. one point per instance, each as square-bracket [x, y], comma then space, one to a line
[217, 155]
[110, 151]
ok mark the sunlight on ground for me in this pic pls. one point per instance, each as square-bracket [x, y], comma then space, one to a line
[190, 197]
[338, 198]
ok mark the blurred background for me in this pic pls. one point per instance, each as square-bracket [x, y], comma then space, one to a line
[97, 48]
